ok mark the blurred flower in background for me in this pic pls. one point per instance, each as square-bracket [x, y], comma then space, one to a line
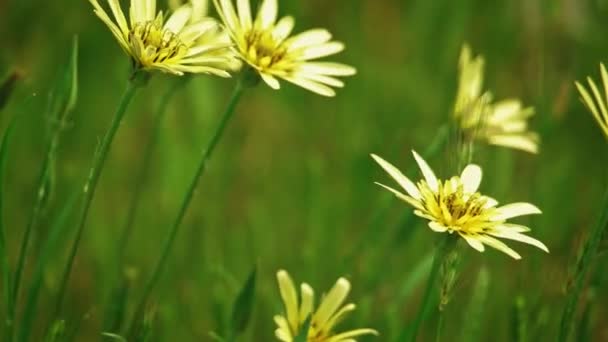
[599, 111]
[504, 123]
[175, 45]
[455, 205]
[322, 321]
[264, 44]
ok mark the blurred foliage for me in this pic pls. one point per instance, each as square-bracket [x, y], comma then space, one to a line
[291, 185]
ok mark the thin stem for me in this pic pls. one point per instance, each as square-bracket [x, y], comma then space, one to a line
[145, 166]
[582, 268]
[206, 155]
[115, 313]
[91, 184]
[441, 252]
[439, 326]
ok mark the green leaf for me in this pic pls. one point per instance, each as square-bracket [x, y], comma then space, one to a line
[303, 335]
[65, 94]
[243, 305]
[57, 232]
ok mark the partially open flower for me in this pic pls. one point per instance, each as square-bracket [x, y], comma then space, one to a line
[322, 321]
[503, 123]
[455, 206]
[172, 44]
[264, 44]
[597, 103]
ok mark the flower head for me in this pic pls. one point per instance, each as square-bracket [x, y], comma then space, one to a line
[172, 45]
[503, 123]
[455, 206]
[323, 320]
[264, 44]
[597, 104]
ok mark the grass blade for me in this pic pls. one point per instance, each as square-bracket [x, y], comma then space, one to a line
[60, 105]
[58, 231]
[243, 306]
[6, 272]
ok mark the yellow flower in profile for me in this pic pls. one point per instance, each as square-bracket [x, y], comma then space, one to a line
[264, 44]
[214, 36]
[504, 123]
[329, 313]
[455, 205]
[172, 45]
[597, 104]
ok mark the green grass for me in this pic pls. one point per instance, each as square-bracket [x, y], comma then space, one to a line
[291, 183]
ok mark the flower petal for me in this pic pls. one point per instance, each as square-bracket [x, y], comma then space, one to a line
[471, 178]
[515, 209]
[405, 183]
[427, 172]
[499, 245]
[290, 298]
[332, 301]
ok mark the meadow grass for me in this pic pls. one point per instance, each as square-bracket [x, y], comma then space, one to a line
[181, 237]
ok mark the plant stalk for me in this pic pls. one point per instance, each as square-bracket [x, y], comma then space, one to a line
[173, 231]
[91, 184]
[582, 268]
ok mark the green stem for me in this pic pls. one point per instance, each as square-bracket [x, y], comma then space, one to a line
[206, 155]
[91, 184]
[145, 166]
[582, 268]
[115, 312]
[441, 251]
[439, 326]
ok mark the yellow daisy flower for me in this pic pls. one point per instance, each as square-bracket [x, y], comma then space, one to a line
[455, 205]
[264, 44]
[598, 103]
[171, 45]
[504, 123]
[329, 313]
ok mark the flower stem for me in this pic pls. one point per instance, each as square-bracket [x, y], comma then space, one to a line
[145, 165]
[168, 243]
[91, 184]
[582, 268]
[442, 250]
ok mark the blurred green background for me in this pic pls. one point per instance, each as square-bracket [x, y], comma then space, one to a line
[291, 184]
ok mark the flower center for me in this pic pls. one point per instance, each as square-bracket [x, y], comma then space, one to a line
[456, 210]
[152, 44]
[263, 50]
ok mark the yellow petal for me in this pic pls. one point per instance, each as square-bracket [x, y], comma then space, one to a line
[515, 209]
[405, 183]
[471, 178]
[427, 172]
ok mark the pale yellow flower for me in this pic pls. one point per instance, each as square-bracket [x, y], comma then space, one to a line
[504, 123]
[215, 36]
[329, 313]
[455, 206]
[264, 44]
[172, 45]
[597, 104]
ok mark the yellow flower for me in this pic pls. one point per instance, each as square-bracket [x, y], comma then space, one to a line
[504, 123]
[328, 314]
[214, 36]
[171, 45]
[264, 44]
[599, 111]
[455, 205]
